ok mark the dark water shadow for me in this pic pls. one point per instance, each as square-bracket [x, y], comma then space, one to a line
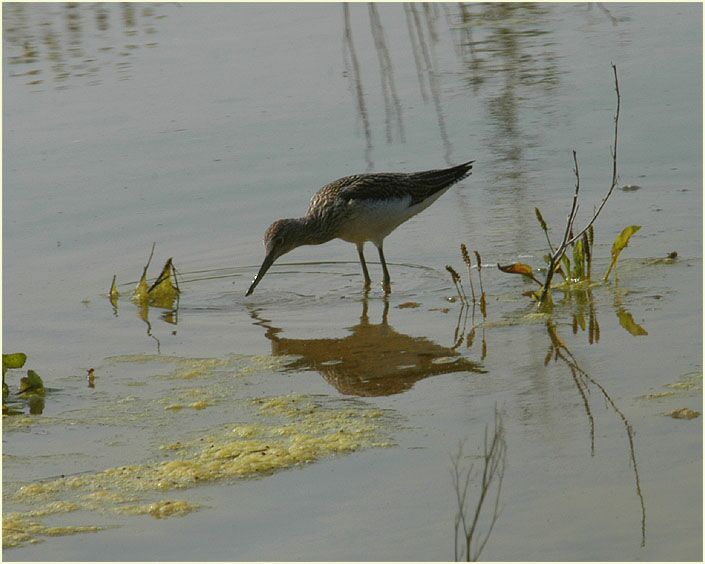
[373, 360]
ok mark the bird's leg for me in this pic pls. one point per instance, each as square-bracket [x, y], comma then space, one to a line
[366, 274]
[386, 281]
[364, 318]
[385, 312]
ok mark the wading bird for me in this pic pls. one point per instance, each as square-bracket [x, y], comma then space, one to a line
[359, 208]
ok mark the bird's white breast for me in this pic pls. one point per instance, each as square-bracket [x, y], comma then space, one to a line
[373, 220]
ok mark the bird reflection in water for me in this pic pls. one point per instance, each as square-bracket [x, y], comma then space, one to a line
[374, 360]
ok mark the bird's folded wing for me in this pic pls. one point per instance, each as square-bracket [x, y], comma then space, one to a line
[390, 185]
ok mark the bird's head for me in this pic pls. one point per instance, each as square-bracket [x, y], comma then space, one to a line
[279, 238]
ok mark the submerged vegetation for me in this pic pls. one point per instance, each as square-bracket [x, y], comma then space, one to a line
[272, 434]
[30, 392]
[254, 437]
[162, 293]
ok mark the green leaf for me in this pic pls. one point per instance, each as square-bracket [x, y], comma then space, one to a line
[566, 263]
[587, 251]
[163, 292]
[31, 383]
[36, 404]
[618, 246]
[114, 294]
[13, 360]
[578, 260]
[140, 293]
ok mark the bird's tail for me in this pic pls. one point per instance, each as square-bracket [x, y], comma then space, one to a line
[431, 181]
[445, 176]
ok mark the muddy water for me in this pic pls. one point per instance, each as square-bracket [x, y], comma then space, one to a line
[195, 126]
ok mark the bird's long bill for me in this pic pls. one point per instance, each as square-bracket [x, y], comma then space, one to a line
[268, 261]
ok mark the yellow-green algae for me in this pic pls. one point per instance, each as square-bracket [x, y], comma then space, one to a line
[17, 529]
[683, 413]
[18, 422]
[160, 509]
[288, 431]
[190, 368]
[22, 528]
[687, 384]
[134, 408]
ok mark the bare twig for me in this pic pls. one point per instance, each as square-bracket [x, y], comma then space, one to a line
[569, 236]
[469, 547]
[149, 260]
[614, 165]
[559, 252]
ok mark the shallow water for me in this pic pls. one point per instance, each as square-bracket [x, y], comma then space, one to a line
[195, 126]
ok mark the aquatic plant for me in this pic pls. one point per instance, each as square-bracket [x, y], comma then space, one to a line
[30, 390]
[576, 274]
[163, 293]
[457, 280]
[461, 325]
[469, 543]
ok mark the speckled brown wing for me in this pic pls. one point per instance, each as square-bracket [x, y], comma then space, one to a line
[328, 195]
[387, 185]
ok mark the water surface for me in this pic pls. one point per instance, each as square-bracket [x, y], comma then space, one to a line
[195, 126]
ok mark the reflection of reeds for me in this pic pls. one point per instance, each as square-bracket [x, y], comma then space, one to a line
[417, 31]
[469, 543]
[62, 36]
[356, 79]
[582, 379]
[421, 22]
[605, 11]
[415, 48]
[584, 299]
[392, 105]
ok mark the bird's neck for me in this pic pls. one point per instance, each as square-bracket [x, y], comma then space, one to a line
[312, 230]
